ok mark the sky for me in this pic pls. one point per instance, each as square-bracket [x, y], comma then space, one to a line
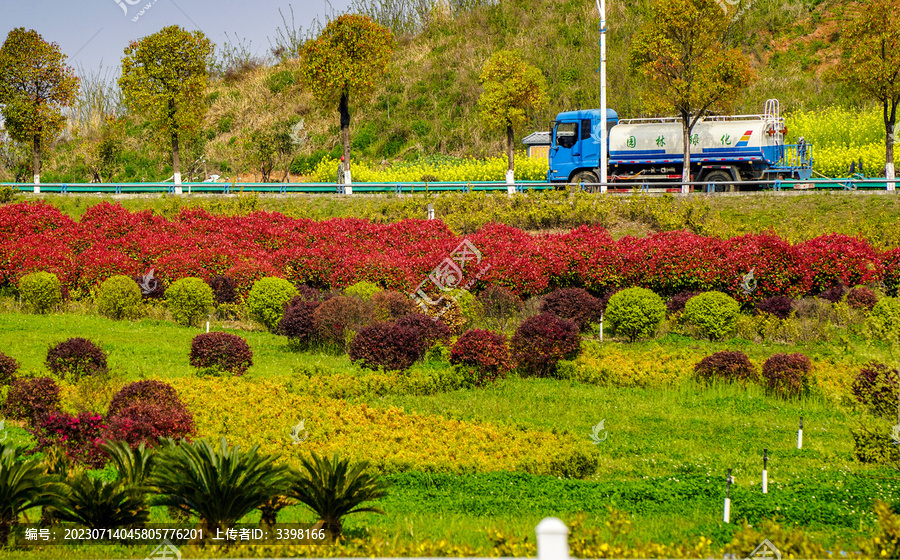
[94, 33]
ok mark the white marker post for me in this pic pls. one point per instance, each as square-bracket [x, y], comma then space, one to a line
[800, 435]
[348, 185]
[765, 479]
[727, 516]
[430, 211]
[510, 182]
[207, 322]
[601, 326]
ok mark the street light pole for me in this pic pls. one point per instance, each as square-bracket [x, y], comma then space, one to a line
[604, 131]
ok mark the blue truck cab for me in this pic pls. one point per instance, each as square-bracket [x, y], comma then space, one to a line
[575, 144]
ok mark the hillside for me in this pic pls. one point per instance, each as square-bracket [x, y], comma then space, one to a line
[427, 102]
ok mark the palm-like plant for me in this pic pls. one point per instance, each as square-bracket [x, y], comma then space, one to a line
[335, 488]
[21, 488]
[134, 465]
[220, 485]
[97, 504]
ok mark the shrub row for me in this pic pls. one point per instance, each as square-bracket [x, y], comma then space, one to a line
[782, 374]
[337, 253]
[139, 413]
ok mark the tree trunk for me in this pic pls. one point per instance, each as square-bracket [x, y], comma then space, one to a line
[176, 159]
[890, 126]
[686, 162]
[36, 158]
[344, 109]
[509, 148]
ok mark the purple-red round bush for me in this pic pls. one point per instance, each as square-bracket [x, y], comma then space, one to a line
[573, 304]
[146, 410]
[75, 358]
[676, 303]
[224, 289]
[149, 390]
[8, 368]
[499, 304]
[787, 374]
[31, 400]
[725, 366]
[834, 293]
[222, 352]
[389, 305]
[542, 341]
[145, 422]
[431, 330]
[875, 387]
[338, 317]
[386, 345]
[483, 354]
[862, 298]
[779, 306]
[298, 322]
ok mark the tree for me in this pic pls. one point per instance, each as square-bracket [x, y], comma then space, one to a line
[164, 76]
[35, 84]
[343, 62]
[334, 488]
[21, 488]
[512, 87]
[219, 485]
[870, 43]
[681, 54]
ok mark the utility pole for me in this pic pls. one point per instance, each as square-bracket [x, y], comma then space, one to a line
[604, 131]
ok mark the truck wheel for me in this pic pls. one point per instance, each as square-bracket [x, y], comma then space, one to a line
[723, 180]
[585, 177]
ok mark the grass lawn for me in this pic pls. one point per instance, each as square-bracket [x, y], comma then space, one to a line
[663, 462]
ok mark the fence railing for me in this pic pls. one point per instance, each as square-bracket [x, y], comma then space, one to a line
[620, 187]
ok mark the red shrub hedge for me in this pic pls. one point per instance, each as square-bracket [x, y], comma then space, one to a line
[338, 252]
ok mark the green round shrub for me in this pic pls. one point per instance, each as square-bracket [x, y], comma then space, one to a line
[635, 313]
[715, 314]
[363, 290]
[119, 297]
[884, 319]
[189, 300]
[41, 290]
[267, 300]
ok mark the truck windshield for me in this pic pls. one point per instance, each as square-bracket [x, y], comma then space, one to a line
[566, 133]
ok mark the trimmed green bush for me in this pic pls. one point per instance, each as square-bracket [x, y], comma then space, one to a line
[363, 290]
[119, 297]
[715, 314]
[41, 290]
[189, 300]
[635, 313]
[884, 319]
[267, 300]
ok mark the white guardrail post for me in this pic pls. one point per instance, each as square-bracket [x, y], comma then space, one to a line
[552, 539]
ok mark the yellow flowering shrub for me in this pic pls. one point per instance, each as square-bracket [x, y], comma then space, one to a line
[263, 412]
[462, 170]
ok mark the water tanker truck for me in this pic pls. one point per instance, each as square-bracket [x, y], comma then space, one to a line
[725, 150]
